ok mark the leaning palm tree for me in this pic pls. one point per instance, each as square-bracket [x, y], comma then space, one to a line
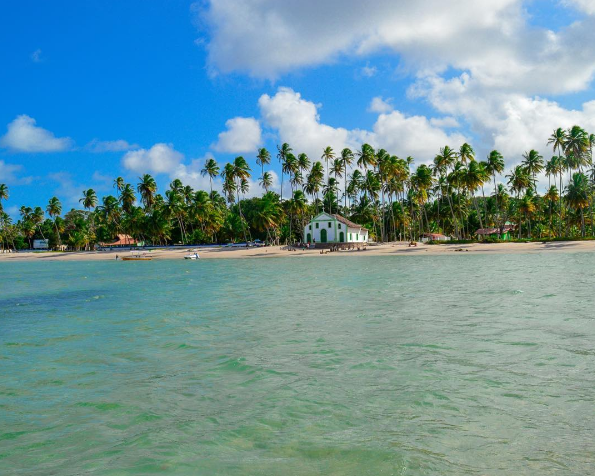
[211, 169]
[54, 209]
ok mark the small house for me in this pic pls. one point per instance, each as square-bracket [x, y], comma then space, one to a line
[331, 228]
[123, 241]
[434, 237]
[496, 233]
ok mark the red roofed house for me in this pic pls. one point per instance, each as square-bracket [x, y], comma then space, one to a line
[120, 242]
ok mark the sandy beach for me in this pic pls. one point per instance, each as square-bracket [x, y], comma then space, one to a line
[388, 249]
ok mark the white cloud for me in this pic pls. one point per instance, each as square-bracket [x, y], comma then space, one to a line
[24, 136]
[412, 136]
[510, 122]
[588, 6]
[446, 122]
[369, 71]
[243, 134]
[100, 146]
[380, 105]
[8, 172]
[36, 56]
[297, 122]
[159, 159]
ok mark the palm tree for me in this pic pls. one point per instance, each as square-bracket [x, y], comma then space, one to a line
[577, 145]
[3, 194]
[551, 197]
[443, 161]
[241, 172]
[282, 153]
[119, 184]
[577, 195]
[533, 163]
[211, 169]
[328, 154]
[314, 181]
[127, 197]
[147, 189]
[54, 209]
[263, 158]
[466, 153]
[347, 158]
[366, 157]
[89, 199]
[266, 181]
[519, 181]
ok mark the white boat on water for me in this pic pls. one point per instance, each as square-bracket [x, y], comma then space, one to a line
[192, 256]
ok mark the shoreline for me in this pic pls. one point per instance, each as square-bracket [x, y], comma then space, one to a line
[387, 249]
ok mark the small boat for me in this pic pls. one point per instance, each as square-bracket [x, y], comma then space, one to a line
[136, 256]
[192, 256]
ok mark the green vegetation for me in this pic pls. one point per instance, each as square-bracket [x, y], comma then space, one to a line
[384, 193]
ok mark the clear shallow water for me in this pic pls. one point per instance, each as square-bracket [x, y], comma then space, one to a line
[450, 365]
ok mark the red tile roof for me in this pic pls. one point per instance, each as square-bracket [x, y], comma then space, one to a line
[349, 223]
[123, 240]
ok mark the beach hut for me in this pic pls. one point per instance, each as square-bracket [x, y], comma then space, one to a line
[331, 228]
[496, 233]
[434, 237]
[123, 241]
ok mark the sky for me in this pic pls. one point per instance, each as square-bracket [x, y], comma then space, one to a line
[90, 91]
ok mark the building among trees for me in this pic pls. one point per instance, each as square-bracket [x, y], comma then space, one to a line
[331, 228]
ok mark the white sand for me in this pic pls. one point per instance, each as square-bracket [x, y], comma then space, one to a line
[394, 249]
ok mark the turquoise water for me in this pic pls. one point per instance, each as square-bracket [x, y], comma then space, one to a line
[414, 365]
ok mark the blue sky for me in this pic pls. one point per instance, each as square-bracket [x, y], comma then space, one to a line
[78, 76]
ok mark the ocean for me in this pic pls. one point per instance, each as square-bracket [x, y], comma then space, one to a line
[470, 364]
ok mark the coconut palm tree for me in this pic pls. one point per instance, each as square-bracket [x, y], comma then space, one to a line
[89, 200]
[147, 189]
[466, 153]
[3, 194]
[577, 195]
[366, 156]
[54, 209]
[533, 163]
[327, 155]
[314, 181]
[263, 158]
[347, 158]
[211, 169]
[119, 184]
[282, 153]
[266, 181]
[519, 180]
[127, 197]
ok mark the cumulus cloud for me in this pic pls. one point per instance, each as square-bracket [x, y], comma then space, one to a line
[412, 136]
[380, 105]
[159, 159]
[24, 135]
[490, 39]
[369, 71]
[243, 134]
[8, 172]
[510, 122]
[119, 145]
[297, 122]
